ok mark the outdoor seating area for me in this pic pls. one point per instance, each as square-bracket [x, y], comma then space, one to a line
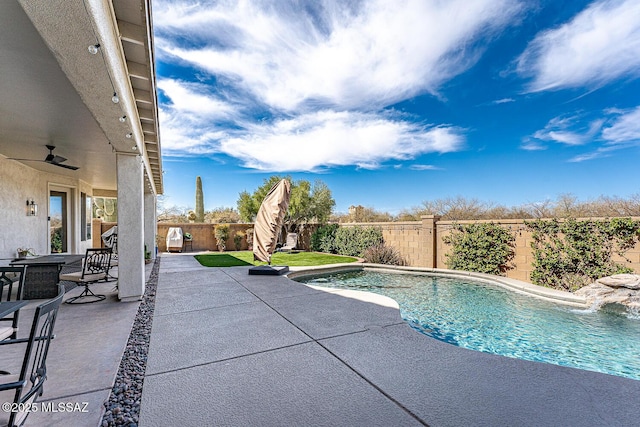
[21, 389]
[28, 311]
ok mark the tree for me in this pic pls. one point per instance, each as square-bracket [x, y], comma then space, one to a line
[222, 215]
[307, 203]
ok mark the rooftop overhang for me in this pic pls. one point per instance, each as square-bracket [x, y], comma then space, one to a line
[54, 91]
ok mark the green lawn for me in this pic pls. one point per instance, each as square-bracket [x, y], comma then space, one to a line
[292, 259]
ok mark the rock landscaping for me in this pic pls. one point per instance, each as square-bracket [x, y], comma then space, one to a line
[123, 407]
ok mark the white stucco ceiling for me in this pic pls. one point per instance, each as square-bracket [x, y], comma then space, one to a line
[40, 105]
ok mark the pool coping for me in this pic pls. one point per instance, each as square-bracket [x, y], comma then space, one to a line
[539, 292]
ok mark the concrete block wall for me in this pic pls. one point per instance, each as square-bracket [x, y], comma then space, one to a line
[419, 242]
[408, 238]
[422, 245]
[203, 237]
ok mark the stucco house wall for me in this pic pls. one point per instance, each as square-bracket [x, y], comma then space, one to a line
[19, 183]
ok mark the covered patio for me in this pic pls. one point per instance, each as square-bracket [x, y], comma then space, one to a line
[78, 123]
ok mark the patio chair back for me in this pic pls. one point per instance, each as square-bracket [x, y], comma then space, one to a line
[291, 243]
[28, 385]
[96, 266]
[10, 278]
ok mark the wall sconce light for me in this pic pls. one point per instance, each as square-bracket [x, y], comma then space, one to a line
[93, 49]
[115, 98]
[32, 208]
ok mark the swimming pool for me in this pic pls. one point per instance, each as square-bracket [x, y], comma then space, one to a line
[485, 317]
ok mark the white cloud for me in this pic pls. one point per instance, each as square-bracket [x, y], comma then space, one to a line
[529, 144]
[625, 128]
[424, 167]
[363, 55]
[325, 139]
[615, 130]
[569, 131]
[503, 101]
[599, 45]
[195, 98]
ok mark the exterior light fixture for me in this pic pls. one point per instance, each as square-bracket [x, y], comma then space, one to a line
[123, 119]
[32, 208]
[93, 49]
[134, 148]
[129, 135]
[115, 98]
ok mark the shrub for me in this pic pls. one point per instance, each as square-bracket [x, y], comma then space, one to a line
[383, 254]
[324, 239]
[482, 247]
[571, 254]
[353, 241]
[237, 239]
[249, 232]
[221, 233]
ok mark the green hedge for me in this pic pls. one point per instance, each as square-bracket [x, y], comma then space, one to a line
[571, 254]
[353, 241]
[482, 247]
[324, 239]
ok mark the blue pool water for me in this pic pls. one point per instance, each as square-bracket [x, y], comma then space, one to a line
[486, 317]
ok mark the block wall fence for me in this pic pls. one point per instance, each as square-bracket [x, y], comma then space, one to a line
[419, 242]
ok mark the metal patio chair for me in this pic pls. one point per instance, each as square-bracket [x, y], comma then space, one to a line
[10, 278]
[22, 389]
[97, 262]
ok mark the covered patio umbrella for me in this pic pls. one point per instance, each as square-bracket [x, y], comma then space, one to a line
[268, 223]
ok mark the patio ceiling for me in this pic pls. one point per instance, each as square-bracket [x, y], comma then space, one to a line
[53, 91]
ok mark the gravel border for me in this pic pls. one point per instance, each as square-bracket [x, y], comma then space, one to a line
[123, 406]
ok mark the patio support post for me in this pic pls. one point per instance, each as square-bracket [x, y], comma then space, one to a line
[150, 227]
[130, 227]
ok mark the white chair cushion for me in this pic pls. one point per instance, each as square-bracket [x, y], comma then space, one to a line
[77, 277]
[6, 331]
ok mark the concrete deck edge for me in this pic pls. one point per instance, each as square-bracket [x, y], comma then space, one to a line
[546, 294]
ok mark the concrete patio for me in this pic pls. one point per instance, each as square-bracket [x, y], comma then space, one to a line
[229, 349]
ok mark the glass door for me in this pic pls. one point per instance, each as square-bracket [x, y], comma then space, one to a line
[58, 221]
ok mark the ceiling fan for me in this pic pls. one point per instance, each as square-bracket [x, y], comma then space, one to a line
[52, 159]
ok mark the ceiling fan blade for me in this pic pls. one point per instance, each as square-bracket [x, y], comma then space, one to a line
[55, 159]
[73, 168]
[25, 160]
[52, 159]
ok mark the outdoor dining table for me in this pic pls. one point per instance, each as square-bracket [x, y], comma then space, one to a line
[43, 274]
[8, 307]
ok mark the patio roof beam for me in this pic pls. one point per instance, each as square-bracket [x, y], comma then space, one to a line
[138, 70]
[132, 33]
[143, 96]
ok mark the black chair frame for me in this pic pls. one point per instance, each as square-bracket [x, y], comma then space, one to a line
[96, 262]
[6, 291]
[34, 368]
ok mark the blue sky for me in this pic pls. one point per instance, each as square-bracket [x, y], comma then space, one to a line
[392, 103]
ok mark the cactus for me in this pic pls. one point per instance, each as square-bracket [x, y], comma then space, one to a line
[199, 201]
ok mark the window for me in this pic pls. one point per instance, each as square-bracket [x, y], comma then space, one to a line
[85, 217]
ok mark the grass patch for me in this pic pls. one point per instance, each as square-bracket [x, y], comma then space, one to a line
[292, 259]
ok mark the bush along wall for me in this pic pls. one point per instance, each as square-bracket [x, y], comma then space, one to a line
[483, 248]
[324, 239]
[573, 253]
[353, 241]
